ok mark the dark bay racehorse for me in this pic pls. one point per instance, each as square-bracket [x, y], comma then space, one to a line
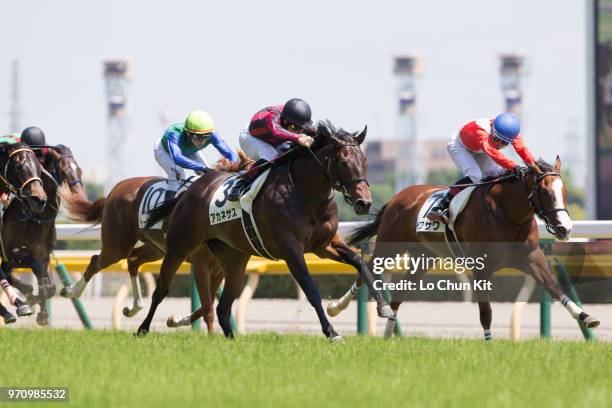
[295, 212]
[29, 238]
[499, 211]
[20, 173]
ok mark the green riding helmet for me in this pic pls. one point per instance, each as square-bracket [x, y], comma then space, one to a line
[199, 122]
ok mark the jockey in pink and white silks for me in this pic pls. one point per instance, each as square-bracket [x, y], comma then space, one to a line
[475, 149]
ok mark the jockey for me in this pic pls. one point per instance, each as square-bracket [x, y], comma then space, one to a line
[181, 147]
[268, 132]
[475, 149]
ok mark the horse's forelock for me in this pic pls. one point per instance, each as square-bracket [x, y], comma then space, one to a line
[328, 133]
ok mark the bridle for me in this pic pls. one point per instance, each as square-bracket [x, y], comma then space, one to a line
[536, 191]
[18, 192]
[334, 181]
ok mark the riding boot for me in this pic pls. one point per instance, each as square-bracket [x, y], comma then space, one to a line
[244, 180]
[440, 211]
[169, 195]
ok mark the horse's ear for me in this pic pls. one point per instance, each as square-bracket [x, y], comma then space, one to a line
[557, 164]
[361, 136]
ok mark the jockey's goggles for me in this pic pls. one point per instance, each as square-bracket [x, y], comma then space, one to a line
[200, 136]
[294, 127]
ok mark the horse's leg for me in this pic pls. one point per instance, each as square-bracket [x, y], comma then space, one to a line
[203, 264]
[537, 266]
[297, 265]
[234, 264]
[339, 251]
[96, 263]
[216, 278]
[484, 304]
[172, 261]
[139, 256]
[46, 289]
[23, 309]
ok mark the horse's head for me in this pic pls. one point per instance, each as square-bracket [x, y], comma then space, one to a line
[65, 167]
[548, 198]
[346, 164]
[20, 174]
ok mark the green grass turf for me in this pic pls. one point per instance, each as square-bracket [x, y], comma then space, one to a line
[105, 368]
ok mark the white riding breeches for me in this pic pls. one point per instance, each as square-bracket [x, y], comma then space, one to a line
[256, 148]
[474, 165]
[176, 174]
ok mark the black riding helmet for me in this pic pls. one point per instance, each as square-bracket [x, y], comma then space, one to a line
[296, 111]
[33, 136]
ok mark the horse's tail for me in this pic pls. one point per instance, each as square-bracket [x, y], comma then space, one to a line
[368, 230]
[161, 212]
[80, 209]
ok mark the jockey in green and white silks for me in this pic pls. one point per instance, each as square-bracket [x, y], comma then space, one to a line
[181, 147]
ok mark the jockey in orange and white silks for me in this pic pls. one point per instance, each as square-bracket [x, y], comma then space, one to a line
[475, 149]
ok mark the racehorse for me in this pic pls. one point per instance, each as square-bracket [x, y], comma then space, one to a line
[122, 238]
[295, 213]
[30, 238]
[20, 173]
[500, 210]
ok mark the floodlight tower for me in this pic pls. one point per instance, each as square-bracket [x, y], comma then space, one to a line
[406, 68]
[117, 76]
[15, 111]
[511, 71]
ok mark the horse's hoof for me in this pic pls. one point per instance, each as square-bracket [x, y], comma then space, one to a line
[141, 332]
[591, 322]
[385, 311]
[42, 319]
[9, 318]
[173, 321]
[127, 312]
[336, 339]
[333, 310]
[24, 310]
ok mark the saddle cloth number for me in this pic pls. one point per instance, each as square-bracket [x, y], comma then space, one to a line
[223, 210]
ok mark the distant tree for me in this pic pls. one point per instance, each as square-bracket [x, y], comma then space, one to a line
[93, 190]
[443, 177]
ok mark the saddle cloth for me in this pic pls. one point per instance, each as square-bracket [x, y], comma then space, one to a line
[155, 196]
[457, 205]
[222, 210]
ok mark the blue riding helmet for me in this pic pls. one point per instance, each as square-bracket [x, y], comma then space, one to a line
[506, 127]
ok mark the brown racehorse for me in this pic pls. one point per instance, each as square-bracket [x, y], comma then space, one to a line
[29, 239]
[20, 173]
[122, 238]
[295, 212]
[499, 211]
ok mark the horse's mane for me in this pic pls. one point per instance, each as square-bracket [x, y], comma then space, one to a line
[225, 165]
[63, 150]
[327, 132]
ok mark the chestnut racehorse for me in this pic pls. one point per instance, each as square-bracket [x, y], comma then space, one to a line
[500, 210]
[122, 238]
[295, 213]
[29, 239]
